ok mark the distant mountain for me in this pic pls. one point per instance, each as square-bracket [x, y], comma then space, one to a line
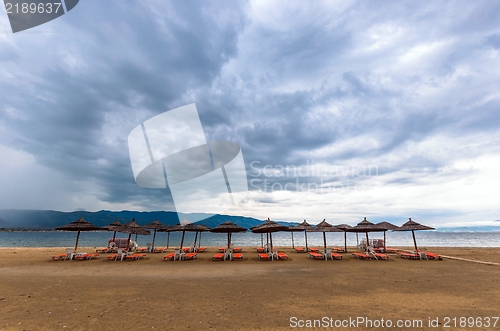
[50, 219]
[4, 224]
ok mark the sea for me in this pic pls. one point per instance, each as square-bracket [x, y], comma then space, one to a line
[401, 239]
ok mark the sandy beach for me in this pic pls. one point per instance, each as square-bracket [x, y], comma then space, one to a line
[152, 294]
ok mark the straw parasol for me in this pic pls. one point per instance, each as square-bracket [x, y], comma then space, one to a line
[269, 227]
[186, 226]
[387, 226]
[201, 228]
[155, 225]
[167, 228]
[78, 225]
[325, 227]
[229, 228]
[345, 228]
[413, 226]
[304, 226]
[365, 226]
[112, 227]
[132, 228]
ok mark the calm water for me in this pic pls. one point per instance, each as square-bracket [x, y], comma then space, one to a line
[100, 239]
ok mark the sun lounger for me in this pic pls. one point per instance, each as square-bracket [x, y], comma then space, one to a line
[409, 256]
[313, 249]
[237, 249]
[201, 249]
[189, 256]
[261, 250]
[282, 256]
[433, 256]
[132, 257]
[59, 257]
[331, 255]
[378, 256]
[237, 257]
[142, 250]
[362, 256]
[158, 250]
[300, 249]
[391, 250]
[316, 256]
[338, 250]
[102, 250]
[264, 257]
[219, 257]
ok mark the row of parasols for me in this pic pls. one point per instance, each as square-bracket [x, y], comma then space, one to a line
[268, 227]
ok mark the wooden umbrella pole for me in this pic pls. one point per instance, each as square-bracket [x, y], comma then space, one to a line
[305, 234]
[199, 240]
[154, 237]
[195, 238]
[271, 236]
[114, 236]
[414, 241]
[228, 240]
[384, 241]
[77, 237]
[261, 240]
[128, 241]
[168, 239]
[345, 241]
[367, 241]
[324, 240]
[293, 245]
[182, 239]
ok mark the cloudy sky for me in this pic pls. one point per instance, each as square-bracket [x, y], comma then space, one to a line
[342, 109]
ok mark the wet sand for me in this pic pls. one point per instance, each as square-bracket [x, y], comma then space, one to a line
[152, 294]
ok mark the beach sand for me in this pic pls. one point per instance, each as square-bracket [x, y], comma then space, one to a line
[152, 294]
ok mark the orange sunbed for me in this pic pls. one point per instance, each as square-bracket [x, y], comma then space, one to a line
[264, 257]
[222, 249]
[237, 250]
[433, 256]
[300, 249]
[158, 250]
[202, 249]
[59, 257]
[409, 256]
[282, 256]
[313, 249]
[316, 256]
[218, 257]
[338, 249]
[169, 257]
[237, 257]
[362, 256]
[336, 256]
[261, 250]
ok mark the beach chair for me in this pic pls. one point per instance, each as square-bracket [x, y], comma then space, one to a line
[186, 249]
[338, 250]
[432, 256]
[102, 250]
[331, 255]
[316, 256]
[176, 255]
[282, 256]
[377, 256]
[219, 257]
[299, 250]
[237, 257]
[237, 249]
[142, 250]
[391, 250]
[313, 249]
[201, 249]
[362, 256]
[149, 248]
[409, 256]
[59, 257]
[158, 250]
[261, 250]
[264, 257]
[190, 256]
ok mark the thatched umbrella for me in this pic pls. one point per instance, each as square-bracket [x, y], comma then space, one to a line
[185, 226]
[269, 227]
[229, 228]
[325, 227]
[387, 226]
[78, 225]
[345, 228]
[304, 226]
[132, 228]
[412, 226]
[167, 228]
[365, 226]
[155, 225]
[201, 228]
[112, 227]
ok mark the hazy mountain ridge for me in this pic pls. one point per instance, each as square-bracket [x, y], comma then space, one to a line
[49, 219]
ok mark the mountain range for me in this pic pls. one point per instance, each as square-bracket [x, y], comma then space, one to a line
[50, 219]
